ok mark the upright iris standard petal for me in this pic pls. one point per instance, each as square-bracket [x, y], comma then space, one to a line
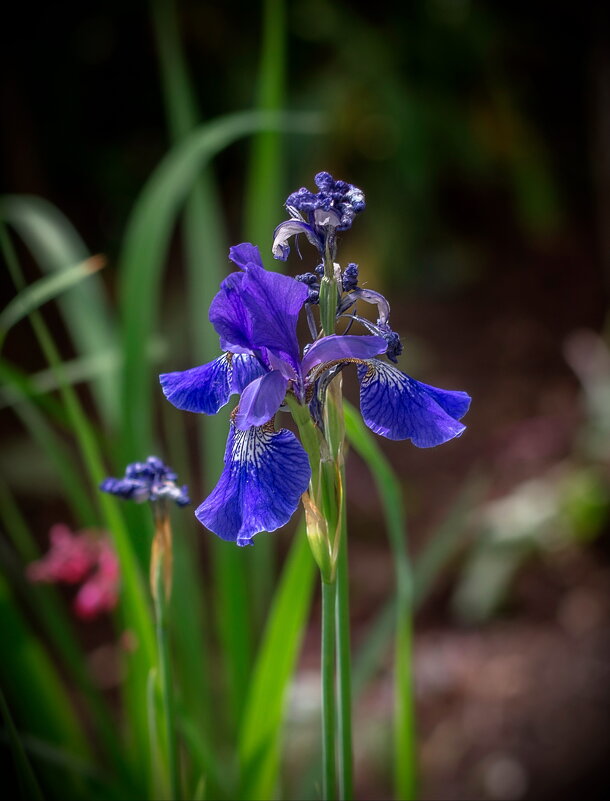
[245, 254]
[260, 400]
[398, 407]
[264, 476]
[230, 317]
[273, 302]
[345, 346]
[455, 403]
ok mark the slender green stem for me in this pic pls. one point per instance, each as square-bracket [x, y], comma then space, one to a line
[344, 667]
[165, 677]
[405, 755]
[335, 434]
[329, 775]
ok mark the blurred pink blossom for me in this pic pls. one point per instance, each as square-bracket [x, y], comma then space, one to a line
[82, 558]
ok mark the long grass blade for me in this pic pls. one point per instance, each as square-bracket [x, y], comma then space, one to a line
[391, 496]
[145, 248]
[266, 164]
[260, 735]
[442, 546]
[39, 701]
[263, 204]
[45, 606]
[44, 290]
[56, 246]
[141, 264]
[205, 250]
[75, 371]
[135, 606]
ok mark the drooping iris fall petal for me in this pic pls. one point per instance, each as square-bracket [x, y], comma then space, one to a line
[207, 388]
[265, 473]
[399, 407]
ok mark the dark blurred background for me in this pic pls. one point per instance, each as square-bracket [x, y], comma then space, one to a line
[481, 135]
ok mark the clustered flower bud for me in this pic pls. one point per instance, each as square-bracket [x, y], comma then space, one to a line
[151, 480]
[346, 200]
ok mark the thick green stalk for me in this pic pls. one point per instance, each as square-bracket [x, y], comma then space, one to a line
[405, 762]
[335, 435]
[329, 777]
[344, 665]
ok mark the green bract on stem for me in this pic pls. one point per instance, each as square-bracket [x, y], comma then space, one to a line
[317, 501]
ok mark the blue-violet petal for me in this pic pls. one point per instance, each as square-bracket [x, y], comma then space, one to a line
[273, 302]
[244, 369]
[245, 254]
[264, 476]
[200, 389]
[346, 346]
[260, 400]
[207, 388]
[229, 315]
[399, 407]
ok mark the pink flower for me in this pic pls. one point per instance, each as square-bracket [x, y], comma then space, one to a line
[81, 558]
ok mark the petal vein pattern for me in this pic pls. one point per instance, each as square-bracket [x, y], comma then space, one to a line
[398, 407]
[345, 346]
[273, 302]
[229, 315]
[264, 476]
[208, 387]
[260, 400]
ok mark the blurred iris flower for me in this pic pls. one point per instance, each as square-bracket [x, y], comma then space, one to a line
[151, 480]
[255, 315]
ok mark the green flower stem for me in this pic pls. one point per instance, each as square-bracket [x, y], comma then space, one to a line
[335, 434]
[161, 561]
[328, 303]
[309, 438]
[329, 778]
[344, 665]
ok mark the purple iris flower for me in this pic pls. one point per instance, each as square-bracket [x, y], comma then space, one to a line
[266, 471]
